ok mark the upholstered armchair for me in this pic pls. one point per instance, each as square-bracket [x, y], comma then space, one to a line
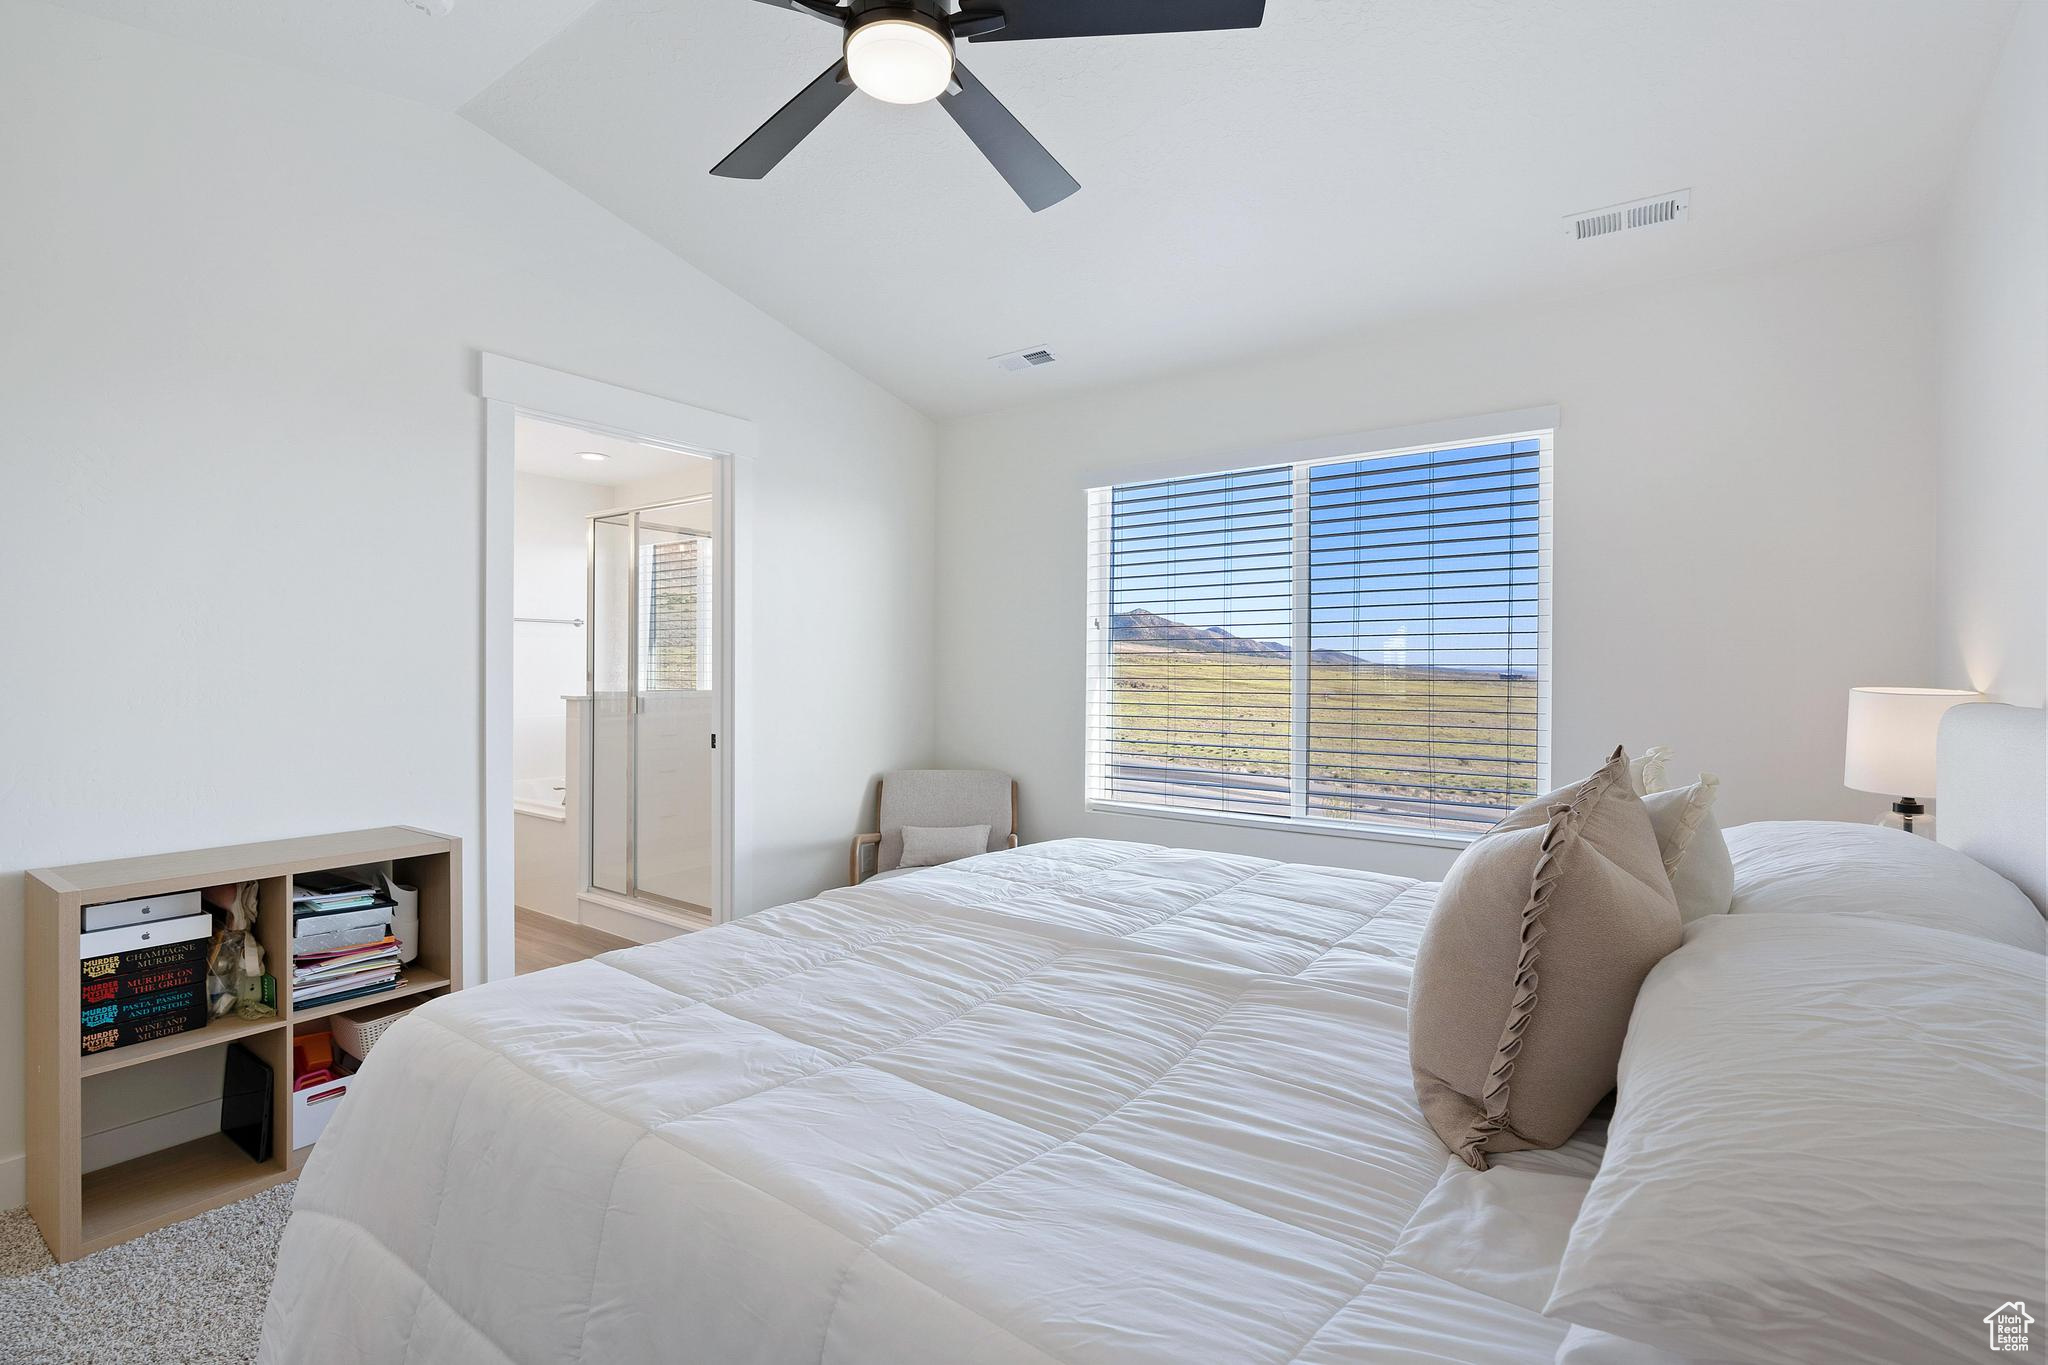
[938, 803]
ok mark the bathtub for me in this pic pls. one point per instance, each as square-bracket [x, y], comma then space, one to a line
[539, 796]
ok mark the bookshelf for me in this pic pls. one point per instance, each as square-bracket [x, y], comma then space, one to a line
[81, 1211]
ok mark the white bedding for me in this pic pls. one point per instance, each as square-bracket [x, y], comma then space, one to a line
[1080, 1102]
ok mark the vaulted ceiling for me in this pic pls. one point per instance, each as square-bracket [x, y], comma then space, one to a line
[1350, 165]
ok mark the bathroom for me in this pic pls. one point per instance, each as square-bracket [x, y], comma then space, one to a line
[615, 703]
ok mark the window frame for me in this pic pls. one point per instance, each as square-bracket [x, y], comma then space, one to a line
[1537, 425]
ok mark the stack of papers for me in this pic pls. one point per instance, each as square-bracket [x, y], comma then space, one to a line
[345, 973]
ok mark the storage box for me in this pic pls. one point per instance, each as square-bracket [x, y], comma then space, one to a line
[313, 1108]
[114, 914]
[129, 942]
[358, 1031]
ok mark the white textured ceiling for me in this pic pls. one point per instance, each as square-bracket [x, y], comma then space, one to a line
[1351, 164]
[382, 44]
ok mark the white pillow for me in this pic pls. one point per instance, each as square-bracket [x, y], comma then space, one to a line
[924, 846]
[1827, 1146]
[1695, 855]
[1646, 770]
[1820, 866]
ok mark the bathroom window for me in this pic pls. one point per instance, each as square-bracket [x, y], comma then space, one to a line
[675, 579]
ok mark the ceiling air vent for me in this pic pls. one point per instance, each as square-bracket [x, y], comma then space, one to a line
[1642, 213]
[1025, 360]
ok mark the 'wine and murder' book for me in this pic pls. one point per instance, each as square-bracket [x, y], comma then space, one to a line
[116, 1032]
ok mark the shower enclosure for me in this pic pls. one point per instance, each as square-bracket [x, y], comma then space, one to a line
[651, 729]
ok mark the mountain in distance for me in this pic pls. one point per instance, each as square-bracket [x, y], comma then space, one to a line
[1143, 627]
[1147, 628]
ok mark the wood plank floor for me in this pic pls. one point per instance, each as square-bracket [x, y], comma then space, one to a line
[542, 941]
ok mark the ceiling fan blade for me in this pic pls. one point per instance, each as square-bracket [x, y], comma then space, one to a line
[1039, 180]
[792, 123]
[1101, 18]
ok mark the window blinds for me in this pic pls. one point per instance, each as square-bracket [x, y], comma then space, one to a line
[674, 651]
[1358, 642]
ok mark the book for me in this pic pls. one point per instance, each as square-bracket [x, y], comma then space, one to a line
[384, 945]
[150, 957]
[99, 990]
[110, 1036]
[329, 971]
[353, 993]
[245, 1093]
[135, 1008]
[131, 937]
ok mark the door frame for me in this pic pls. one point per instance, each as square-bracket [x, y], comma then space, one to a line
[509, 388]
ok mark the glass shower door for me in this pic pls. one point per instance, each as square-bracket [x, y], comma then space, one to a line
[672, 754]
[653, 707]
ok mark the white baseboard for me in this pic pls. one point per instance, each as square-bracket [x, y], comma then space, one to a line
[628, 919]
[13, 1180]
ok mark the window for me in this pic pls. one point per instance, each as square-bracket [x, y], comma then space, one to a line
[675, 648]
[1357, 643]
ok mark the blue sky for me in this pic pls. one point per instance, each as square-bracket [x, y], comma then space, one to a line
[1422, 559]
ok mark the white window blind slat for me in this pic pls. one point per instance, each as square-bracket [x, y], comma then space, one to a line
[1357, 642]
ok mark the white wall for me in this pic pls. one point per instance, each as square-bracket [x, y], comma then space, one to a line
[1742, 529]
[242, 309]
[1992, 540]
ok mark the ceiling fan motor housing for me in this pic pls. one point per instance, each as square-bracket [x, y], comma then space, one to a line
[930, 13]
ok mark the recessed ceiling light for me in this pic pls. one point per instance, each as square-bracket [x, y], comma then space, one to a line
[595, 455]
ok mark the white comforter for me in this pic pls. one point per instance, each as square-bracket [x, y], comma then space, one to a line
[1080, 1102]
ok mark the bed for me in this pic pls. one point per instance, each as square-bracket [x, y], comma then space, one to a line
[1078, 1102]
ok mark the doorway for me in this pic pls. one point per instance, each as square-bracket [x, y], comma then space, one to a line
[616, 706]
[613, 651]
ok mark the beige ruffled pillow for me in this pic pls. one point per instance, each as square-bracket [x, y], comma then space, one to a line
[1542, 933]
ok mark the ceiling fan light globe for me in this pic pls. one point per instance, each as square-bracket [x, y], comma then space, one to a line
[899, 61]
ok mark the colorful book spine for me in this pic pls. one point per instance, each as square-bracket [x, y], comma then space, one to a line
[107, 1037]
[134, 1009]
[150, 957]
[100, 990]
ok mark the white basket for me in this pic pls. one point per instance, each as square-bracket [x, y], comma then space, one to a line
[357, 1033]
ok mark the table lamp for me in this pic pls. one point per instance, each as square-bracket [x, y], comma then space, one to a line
[1890, 747]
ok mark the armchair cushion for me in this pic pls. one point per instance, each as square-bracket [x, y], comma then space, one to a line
[924, 846]
[944, 799]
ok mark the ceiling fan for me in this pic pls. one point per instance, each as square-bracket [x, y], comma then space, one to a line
[902, 51]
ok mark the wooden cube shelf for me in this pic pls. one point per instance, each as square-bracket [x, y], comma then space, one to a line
[81, 1211]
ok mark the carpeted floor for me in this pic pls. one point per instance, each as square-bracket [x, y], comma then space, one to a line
[190, 1294]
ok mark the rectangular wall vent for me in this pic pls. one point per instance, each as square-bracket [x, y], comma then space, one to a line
[1641, 213]
[1025, 360]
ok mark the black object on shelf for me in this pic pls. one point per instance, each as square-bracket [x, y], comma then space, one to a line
[245, 1102]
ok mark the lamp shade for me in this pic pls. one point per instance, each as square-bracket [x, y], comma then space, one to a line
[1891, 737]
